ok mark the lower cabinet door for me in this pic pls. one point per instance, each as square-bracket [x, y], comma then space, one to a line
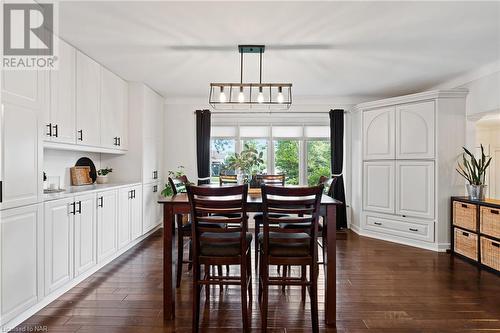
[124, 234]
[21, 250]
[151, 207]
[136, 213]
[378, 186]
[85, 233]
[107, 203]
[415, 189]
[59, 218]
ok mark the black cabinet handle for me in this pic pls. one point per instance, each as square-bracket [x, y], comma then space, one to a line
[495, 244]
[116, 141]
[377, 223]
[73, 204]
[494, 212]
[155, 188]
[56, 132]
[100, 202]
[80, 135]
[413, 229]
[133, 191]
[1, 190]
[49, 127]
[79, 207]
[119, 141]
[130, 194]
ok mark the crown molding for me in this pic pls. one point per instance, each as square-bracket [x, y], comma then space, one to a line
[470, 76]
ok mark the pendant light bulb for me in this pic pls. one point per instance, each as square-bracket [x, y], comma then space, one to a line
[280, 97]
[260, 97]
[222, 96]
[241, 96]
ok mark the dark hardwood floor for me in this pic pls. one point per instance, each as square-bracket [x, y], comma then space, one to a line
[382, 287]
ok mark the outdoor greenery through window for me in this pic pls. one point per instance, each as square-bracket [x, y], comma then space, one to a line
[301, 153]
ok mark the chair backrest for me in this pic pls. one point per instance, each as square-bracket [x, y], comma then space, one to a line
[272, 180]
[228, 179]
[178, 184]
[207, 206]
[301, 204]
[328, 183]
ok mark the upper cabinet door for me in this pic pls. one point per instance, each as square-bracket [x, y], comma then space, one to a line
[379, 134]
[415, 130]
[62, 114]
[123, 114]
[111, 108]
[24, 88]
[378, 186]
[415, 188]
[88, 78]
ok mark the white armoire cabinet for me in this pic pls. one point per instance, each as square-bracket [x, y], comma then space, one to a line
[60, 116]
[88, 85]
[21, 261]
[405, 167]
[23, 103]
[107, 214]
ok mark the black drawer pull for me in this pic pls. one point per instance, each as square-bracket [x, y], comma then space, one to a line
[464, 206]
[49, 126]
[495, 244]
[496, 212]
[377, 223]
[413, 229]
[466, 234]
[55, 131]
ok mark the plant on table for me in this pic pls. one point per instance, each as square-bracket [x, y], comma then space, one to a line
[474, 171]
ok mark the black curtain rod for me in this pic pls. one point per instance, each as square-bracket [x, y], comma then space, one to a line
[270, 113]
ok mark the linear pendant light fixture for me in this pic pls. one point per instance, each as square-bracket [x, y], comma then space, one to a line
[268, 96]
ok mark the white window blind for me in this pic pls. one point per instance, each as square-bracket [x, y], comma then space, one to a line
[254, 131]
[317, 131]
[223, 131]
[287, 131]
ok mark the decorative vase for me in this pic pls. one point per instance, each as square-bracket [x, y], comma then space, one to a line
[476, 192]
[102, 179]
[240, 177]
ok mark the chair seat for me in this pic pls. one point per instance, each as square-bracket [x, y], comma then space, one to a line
[259, 217]
[230, 215]
[187, 227]
[279, 249]
[298, 225]
[222, 249]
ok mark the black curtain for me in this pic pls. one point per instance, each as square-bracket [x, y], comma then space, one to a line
[337, 151]
[203, 145]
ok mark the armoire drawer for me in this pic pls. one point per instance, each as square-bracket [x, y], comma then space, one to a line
[407, 228]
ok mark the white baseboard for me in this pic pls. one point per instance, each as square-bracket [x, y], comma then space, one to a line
[47, 299]
[355, 228]
[403, 241]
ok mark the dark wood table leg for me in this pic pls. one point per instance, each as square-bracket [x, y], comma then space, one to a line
[330, 271]
[168, 264]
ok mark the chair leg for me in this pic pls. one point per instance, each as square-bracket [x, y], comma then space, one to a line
[207, 286]
[285, 274]
[244, 303]
[249, 276]
[259, 277]
[219, 273]
[304, 279]
[190, 265]
[313, 293]
[257, 231]
[265, 294]
[180, 253]
[196, 298]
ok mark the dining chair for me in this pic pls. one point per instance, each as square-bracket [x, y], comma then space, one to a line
[178, 185]
[277, 180]
[229, 246]
[290, 247]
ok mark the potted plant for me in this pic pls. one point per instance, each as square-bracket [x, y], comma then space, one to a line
[245, 163]
[102, 175]
[474, 171]
[168, 191]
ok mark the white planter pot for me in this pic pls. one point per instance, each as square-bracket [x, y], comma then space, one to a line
[102, 179]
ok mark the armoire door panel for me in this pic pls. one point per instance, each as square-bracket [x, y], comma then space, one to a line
[415, 130]
[415, 188]
[378, 186]
[379, 134]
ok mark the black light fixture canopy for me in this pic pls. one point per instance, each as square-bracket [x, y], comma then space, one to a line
[271, 96]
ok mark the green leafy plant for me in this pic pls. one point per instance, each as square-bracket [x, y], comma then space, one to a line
[104, 172]
[168, 191]
[248, 161]
[472, 169]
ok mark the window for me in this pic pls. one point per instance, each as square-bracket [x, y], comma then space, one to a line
[286, 160]
[318, 160]
[260, 145]
[220, 150]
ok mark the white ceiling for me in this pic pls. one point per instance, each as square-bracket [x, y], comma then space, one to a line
[378, 49]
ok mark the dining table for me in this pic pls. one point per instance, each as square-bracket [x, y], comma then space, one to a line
[179, 204]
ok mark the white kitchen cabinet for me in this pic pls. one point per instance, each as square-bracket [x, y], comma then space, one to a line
[415, 189]
[113, 110]
[24, 88]
[406, 228]
[107, 204]
[379, 134]
[60, 119]
[130, 215]
[85, 233]
[152, 210]
[415, 130]
[151, 160]
[59, 244]
[88, 79]
[136, 207]
[21, 266]
[378, 186]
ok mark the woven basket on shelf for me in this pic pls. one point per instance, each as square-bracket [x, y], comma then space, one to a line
[490, 253]
[490, 221]
[464, 215]
[466, 243]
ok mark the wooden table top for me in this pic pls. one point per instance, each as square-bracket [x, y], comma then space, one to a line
[182, 198]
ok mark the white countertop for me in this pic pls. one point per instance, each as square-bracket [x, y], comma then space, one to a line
[84, 189]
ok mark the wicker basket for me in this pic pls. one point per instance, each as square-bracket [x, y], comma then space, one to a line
[490, 253]
[466, 243]
[464, 215]
[490, 221]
